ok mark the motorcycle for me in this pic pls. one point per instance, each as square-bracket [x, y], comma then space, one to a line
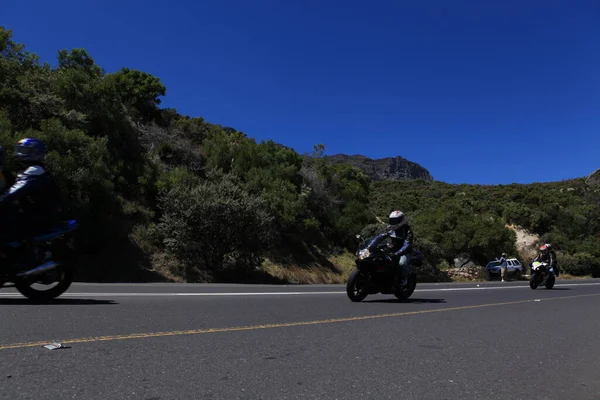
[376, 271]
[541, 274]
[53, 253]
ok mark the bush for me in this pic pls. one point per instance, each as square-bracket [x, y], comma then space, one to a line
[434, 254]
[177, 177]
[579, 264]
[373, 230]
[456, 230]
[214, 226]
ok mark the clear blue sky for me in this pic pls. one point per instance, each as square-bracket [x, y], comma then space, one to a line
[475, 91]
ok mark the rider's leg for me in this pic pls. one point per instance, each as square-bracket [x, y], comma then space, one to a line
[404, 268]
[22, 229]
[12, 231]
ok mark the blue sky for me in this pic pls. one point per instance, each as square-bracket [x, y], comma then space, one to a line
[475, 91]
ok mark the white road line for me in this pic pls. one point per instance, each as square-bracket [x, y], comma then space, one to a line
[206, 294]
[91, 294]
[501, 287]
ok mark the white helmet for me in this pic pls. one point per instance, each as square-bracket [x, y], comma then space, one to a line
[396, 219]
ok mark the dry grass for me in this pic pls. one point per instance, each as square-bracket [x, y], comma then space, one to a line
[314, 273]
[343, 262]
[463, 279]
[572, 277]
[166, 267]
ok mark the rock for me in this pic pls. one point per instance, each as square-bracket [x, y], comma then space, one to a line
[594, 178]
[468, 273]
[526, 243]
[463, 262]
[383, 169]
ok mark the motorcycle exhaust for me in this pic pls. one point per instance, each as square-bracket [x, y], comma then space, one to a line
[45, 267]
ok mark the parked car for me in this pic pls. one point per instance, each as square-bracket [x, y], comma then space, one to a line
[513, 268]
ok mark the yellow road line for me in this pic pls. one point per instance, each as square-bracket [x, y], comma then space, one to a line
[277, 325]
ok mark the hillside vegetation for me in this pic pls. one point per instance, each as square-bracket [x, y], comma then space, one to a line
[471, 220]
[166, 196]
[157, 190]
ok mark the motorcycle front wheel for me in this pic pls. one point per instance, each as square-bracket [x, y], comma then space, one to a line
[533, 282]
[356, 287]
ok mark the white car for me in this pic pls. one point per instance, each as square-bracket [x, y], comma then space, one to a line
[513, 267]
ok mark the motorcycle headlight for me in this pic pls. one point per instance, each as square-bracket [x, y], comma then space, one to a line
[364, 253]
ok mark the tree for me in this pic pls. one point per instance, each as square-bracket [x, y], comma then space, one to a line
[139, 92]
[78, 59]
[26, 88]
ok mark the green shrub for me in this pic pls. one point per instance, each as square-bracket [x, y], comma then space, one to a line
[579, 264]
[214, 226]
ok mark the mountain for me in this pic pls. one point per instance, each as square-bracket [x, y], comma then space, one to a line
[383, 169]
[594, 178]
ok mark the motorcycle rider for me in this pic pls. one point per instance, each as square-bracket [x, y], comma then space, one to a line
[402, 237]
[29, 205]
[548, 256]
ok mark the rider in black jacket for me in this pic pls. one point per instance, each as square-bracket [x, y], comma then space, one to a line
[29, 205]
[402, 238]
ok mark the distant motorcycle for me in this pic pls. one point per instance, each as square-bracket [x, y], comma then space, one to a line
[376, 270]
[48, 260]
[541, 274]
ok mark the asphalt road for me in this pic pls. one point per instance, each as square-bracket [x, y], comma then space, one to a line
[164, 341]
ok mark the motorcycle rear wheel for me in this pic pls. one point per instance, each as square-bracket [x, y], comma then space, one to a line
[550, 282]
[408, 290]
[65, 278]
[356, 286]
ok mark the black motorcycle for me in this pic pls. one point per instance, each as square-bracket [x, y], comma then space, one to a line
[376, 270]
[48, 259]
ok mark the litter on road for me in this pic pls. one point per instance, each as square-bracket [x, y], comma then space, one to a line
[53, 346]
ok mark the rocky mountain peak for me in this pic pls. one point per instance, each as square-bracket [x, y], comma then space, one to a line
[384, 169]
